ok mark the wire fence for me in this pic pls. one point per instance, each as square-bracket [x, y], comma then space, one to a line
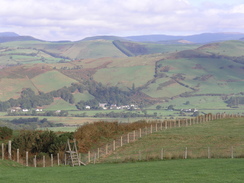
[108, 153]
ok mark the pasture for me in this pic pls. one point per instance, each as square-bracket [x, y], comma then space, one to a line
[177, 171]
[218, 135]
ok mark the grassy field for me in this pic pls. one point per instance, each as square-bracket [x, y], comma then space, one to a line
[52, 80]
[177, 171]
[219, 135]
[125, 76]
[60, 104]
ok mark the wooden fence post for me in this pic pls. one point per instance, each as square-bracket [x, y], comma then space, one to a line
[89, 156]
[17, 155]
[121, 141]
[140, 132]
[95, 156]
[166, 124]
[26, 158]
[51, 160]
[162, 154]
[9, 150]
[128, 138]
[151, 130]
[156, 127]
[186, 153]
[34, 161]
[2, 151]
[44, 161]
[114, 145]
[58, 159]
[209, 155]
[134, 135]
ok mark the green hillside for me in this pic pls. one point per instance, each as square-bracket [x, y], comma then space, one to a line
[52, 80]
[152, 79]
[219, 135]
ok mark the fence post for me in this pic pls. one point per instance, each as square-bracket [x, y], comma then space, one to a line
[95, 156]
[232, 152]
[151, 130]
[186, 153]
[9, 150]
[17, 155]
[128, 138]
[209, 155]
[162, 154]
[161, 126]
[58, 158]
[26, 158]
[134, 135]
[121, 141]
[166, 124]
[89, 156]
[156, 127]
[114, 145]
[34, 161]
[2, 151]
[51, 160]
[140, 132]
[44, 161]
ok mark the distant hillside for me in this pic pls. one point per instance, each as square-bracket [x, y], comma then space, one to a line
[103, 38]
[8, 34]
[211, 73]
[17, 38]
[198, 38]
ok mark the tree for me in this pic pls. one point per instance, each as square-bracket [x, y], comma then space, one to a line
[187, 103]
[5, 133]
[158, 107]
[170, 107]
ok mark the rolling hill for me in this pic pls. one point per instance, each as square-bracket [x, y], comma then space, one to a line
[157, 72]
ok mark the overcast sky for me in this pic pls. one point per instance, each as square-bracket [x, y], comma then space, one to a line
[76, 19]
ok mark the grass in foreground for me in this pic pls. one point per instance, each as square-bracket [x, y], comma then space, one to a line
[182, 171]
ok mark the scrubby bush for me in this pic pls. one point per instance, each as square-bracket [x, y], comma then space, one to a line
[5, 133]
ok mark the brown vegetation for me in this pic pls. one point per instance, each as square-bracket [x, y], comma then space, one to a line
[94, 135]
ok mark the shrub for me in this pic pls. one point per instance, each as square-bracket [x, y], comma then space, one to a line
[5, 133]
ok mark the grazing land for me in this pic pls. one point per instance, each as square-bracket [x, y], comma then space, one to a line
[218, 135]
[177, 171]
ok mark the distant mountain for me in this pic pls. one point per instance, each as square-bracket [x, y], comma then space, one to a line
[17, 38]
[103, 38]
[8, 34]
[198, 38]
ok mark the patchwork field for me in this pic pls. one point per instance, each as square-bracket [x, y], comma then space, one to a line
[52, 80]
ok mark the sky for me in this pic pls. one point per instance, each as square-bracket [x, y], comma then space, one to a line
[55, 20]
